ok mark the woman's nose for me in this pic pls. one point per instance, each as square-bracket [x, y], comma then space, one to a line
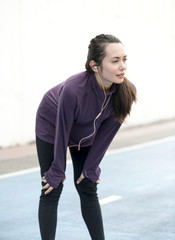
[122, 65]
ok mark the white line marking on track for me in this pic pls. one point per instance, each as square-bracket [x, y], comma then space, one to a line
[109, 199]
[111, 152]
[17, 173]
[21, 172]
[141, 145]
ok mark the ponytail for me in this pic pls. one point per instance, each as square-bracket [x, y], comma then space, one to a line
[123, 99]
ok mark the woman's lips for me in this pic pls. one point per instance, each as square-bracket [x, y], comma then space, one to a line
[120, 75]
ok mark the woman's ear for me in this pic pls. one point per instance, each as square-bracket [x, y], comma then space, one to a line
[93, 66]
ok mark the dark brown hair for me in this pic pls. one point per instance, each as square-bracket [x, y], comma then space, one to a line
[125, 93]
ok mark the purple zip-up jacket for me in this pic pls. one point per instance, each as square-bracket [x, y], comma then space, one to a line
[74, 114]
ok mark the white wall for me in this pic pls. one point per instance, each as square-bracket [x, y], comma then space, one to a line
[42, 42]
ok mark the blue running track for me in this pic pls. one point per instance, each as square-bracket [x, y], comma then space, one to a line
[137, 195]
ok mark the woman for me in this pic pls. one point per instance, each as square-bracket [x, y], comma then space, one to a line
[83, 113]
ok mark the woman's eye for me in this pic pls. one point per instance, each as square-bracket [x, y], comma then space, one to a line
[125, 59]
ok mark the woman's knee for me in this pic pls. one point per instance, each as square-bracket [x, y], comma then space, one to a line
[86, 186]
[53, 196]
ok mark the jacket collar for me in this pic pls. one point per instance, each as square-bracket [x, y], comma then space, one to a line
[97, 88]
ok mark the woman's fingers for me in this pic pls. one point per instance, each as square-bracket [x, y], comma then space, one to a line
[47, 186]
[80, 178]
[98, 181]
[49, 190]
[44, 180]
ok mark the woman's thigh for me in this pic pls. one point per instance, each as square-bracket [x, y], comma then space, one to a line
[78, 159]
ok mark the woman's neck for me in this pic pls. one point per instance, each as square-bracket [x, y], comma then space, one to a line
[104, 86]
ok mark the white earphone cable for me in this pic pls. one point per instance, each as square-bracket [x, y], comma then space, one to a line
[102, 108]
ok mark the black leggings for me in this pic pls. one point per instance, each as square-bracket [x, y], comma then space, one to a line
[87, 191]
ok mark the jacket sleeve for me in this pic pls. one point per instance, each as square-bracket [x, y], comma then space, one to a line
[105, 134]
[64, 121]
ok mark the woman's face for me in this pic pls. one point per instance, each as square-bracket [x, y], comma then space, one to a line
[113, 67]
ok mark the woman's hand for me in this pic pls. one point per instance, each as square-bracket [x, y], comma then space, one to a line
[47, 186]
[82, 177]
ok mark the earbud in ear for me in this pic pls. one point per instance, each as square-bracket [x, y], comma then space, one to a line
[95, 67]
